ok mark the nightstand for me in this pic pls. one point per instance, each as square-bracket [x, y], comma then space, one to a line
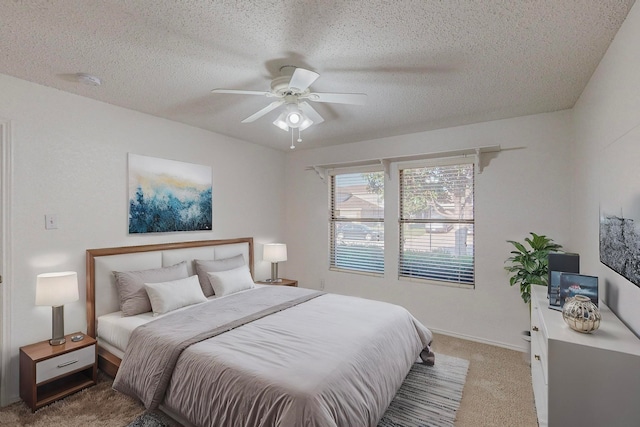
[51, 372]
[282, 282]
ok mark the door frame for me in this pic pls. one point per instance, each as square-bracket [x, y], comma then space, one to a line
[5, 258]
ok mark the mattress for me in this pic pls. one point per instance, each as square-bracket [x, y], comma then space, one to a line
[115, 329]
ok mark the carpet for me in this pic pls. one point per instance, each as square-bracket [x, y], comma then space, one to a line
[428, 397]
[97, 406]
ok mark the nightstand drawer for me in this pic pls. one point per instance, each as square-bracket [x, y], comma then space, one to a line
[60, 365]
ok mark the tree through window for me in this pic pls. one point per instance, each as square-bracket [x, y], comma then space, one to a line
[436, 223]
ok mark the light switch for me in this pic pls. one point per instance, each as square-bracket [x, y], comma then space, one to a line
[51, 221]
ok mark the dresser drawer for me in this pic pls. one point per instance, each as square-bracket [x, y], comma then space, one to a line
[539, 346]
[539, 358]
[60, 365]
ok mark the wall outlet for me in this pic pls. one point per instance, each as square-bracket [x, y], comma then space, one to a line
[51, 221]
[322, 284]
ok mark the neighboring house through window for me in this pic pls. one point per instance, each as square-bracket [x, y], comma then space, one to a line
[357, 222]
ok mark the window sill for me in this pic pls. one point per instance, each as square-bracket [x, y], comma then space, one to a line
[362, 273]
[437, 282]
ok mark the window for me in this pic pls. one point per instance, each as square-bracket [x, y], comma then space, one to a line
[436, 223]
[357, 222]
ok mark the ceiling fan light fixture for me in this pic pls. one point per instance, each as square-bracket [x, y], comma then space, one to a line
[305, 124]
[286, 122]
[281, 123]
[294, 117]
[292, 90]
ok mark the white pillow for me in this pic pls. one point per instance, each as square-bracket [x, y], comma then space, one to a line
[169, 296]
[130, 285]
[231, 281]
[205, 266]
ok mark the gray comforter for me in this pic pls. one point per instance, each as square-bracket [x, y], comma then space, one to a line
[275, 356]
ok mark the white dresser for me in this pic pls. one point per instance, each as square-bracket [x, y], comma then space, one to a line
[583, 379]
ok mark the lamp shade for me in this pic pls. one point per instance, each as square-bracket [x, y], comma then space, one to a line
[275, 252]
[281, 123]
[305, 123]
[55, 289]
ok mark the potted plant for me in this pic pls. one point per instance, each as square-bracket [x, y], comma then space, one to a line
[530, 266]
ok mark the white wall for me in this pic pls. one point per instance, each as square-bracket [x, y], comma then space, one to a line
[70, 159]
[524, 188]
[607, 123]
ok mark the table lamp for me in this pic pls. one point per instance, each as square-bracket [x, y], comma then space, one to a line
[57, 289]
[274, 253]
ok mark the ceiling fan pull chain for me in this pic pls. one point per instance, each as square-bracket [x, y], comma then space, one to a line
[292, 146]
[299, 135]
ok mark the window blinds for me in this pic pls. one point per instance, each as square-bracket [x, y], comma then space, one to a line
[357, 222]
[436, 223]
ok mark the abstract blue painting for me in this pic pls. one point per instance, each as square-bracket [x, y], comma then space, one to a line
[167, 195]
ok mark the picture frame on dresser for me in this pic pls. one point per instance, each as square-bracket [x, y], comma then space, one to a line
[558, 263]
[572, 284]
[554, 290]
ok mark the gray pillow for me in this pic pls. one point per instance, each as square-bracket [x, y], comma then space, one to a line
[213, 266]
[130, 285]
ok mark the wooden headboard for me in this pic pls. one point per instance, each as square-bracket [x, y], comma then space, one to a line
[102, 296]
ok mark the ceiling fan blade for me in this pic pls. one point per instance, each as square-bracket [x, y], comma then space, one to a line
[310, 113]
[302, 79]
[242, 92]
[265, 110]
[338, 98]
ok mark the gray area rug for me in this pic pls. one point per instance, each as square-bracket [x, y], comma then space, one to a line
[153, 419]
[428, 397]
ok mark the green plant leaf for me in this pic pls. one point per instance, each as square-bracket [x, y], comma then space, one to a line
[520, 247]
[530, 266]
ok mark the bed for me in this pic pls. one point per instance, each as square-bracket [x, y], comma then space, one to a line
[261, 356]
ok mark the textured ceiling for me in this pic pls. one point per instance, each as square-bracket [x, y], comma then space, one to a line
[423, 64]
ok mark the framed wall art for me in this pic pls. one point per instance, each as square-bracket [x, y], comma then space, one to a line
[620, 246]
[620, 207]
[168, 195]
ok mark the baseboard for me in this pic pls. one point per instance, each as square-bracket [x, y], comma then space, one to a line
[480, 340]
[11, 400]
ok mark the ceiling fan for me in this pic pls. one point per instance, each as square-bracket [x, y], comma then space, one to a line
[292, 91]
